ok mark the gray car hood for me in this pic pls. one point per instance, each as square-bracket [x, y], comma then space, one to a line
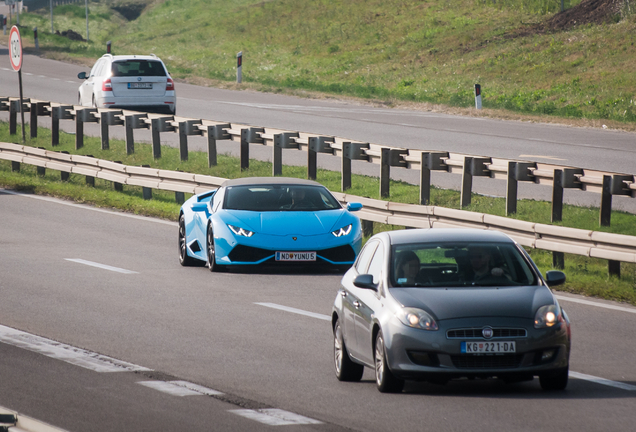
[452, 303]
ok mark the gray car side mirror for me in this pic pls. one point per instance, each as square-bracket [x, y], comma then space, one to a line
[365, 281]
[555, 277]
[82, 75]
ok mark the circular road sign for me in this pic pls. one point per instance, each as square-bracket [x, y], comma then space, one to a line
[15, 46]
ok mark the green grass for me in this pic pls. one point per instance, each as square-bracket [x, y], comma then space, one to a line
[585, 275]
[409, 50]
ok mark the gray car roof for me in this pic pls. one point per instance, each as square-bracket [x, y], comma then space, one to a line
[446, 235]
[269, 180]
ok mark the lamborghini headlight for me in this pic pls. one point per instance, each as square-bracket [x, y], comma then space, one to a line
[417, 318]
[547, 316]
[241, 231]
[342, 231]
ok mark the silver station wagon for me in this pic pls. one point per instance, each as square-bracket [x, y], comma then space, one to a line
[438, 304]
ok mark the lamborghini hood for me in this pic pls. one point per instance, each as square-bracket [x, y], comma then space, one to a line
[288, 222]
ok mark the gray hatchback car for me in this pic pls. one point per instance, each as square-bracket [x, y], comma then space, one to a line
[438, 304]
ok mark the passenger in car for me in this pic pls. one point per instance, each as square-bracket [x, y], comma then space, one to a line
[482, 268]
[407, 268]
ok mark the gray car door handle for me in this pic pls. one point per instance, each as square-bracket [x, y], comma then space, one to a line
[356, 304]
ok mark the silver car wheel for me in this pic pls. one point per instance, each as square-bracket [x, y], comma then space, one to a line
[379, 360]
[338, 351]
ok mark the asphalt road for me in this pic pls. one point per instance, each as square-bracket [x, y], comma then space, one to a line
[589, 148]
[211, 330]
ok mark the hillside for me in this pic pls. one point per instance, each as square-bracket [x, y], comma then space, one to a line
[527, 57]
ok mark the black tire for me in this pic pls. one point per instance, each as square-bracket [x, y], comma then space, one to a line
[79, 99]
[384, 378]
[346, 370]
[213, 266]
[94, 103]
[555, 381]
[184, 259]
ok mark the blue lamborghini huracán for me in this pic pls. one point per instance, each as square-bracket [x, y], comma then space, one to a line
[268, 220]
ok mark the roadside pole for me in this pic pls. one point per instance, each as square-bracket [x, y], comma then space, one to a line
[477, 96]
[15, 48]
[239, 67]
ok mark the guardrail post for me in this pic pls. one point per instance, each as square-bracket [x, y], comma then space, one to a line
[155, 124]
[606, 202]
[244, 150]
[511, 189]
[430, 162]
[385, 172]
[183, 142]
[33, 121]
[367, 228]
[320, 144]
[130, 138]
[281, 141]
[103, 126]
[13, 116]
[472, 167]
[346, 166]
[557, 196]
[558, 260]
[425, 179]
[179, 197]
[79, 130]
[467, 183]
[55, 126]
[118, 186]
[146, 191]
[211, 132]
[15, 166]
[41, 171]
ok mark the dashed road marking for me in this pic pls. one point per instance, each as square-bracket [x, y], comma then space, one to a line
[596, 304]
[101, 266]
[275, 417]
[180, 388]
[602, 381]
[296, 311]
[66, 353]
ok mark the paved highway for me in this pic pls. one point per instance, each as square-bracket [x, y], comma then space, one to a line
[604, 150]
[86, 292]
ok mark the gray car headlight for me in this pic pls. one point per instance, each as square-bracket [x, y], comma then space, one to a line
[342, 231]
[241, 231]
[417, 318]
[547, 316]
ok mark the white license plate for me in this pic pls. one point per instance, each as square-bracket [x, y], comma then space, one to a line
[488, 347]
[138, 85]
[295, 256]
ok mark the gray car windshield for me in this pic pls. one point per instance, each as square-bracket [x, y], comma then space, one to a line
[136, 68]
[279, 197]
[460, 265]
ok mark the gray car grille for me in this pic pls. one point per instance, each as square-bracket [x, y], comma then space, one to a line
[506, 361]
[475, 333]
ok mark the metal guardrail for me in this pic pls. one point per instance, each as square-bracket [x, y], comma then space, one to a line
[595, 244]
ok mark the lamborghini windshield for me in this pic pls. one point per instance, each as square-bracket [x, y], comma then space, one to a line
[279, 197]
[460, 264]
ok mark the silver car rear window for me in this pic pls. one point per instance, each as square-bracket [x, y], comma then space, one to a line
[130, 68]
[460, 265]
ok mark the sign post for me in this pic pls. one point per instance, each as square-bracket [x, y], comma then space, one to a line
[15, 55]
[239, 67]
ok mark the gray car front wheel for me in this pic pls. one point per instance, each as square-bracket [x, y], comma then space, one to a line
[384, 378]
[555, 381]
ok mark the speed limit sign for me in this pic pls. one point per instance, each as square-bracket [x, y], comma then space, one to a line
[15, 43]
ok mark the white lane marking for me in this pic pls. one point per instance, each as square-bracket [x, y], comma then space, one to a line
[591, 303]
[5, 69]
[66, 353]
[180, 388]
[296, 311]
[275, 417]
[540, 157]
[101, 266]
[56, 79]
[72, 82]
[86, 207]
[197, 388]
[603, 381]
[26, 73]
[169, 388]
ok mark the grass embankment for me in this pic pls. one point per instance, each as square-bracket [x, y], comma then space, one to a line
[585, 275]
[393, 50]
